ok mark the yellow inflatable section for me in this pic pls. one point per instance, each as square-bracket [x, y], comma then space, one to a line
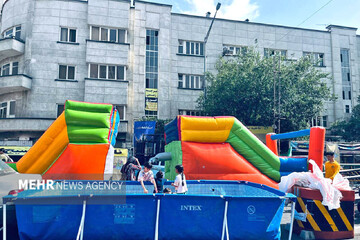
[46, 150]
[208, 130]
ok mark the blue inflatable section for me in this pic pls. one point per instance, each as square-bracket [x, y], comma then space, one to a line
[301, 133]
[253, 211]
[115, 129]
[293, 164]
[171, 131]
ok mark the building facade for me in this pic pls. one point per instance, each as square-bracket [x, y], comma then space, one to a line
[143, 58]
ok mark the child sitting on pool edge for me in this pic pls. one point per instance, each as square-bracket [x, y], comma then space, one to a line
[159, 180]
[180, 180]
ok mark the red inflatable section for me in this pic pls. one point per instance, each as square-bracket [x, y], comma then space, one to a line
[272, 144]
[219, 161]
[316, 146]
[80, 162]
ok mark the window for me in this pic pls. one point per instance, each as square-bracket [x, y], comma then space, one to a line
[10, 69]
[274, 52]
[151, 80]
[104, 34]
[3, 109]
[316, 58]
[191, 48]
[345, 65]
[66, 72]
[151, 71]
[7, 109]
[94, 71]
[180, 82]
[60, 109]
[15, 68]
[121, 111]
[68, 35]
[190, 112]
[103, 72]
[95, 33]
[347, 108]
[108, 34]
[324, 121]
[230, 50]
[13, 32]
[190, 81]
[111, 72]
[6, 70]
[9, 33]
[151, 113]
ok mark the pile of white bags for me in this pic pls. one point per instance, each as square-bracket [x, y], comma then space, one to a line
[316, 180]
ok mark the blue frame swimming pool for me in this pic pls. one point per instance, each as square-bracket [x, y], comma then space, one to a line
[210, 210]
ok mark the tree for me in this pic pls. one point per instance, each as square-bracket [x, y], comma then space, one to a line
[244, 87]
[349, 130]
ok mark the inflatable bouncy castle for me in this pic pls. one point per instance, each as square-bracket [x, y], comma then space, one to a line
[222, 148]
[78, 145]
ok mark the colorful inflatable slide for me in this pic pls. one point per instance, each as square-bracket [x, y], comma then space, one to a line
[78, 145]
[222, 148]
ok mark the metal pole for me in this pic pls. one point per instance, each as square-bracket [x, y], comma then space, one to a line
[274, 66]
[205, 91]
[80, 234]
[292, 219]
[279, 94]
[205, 41]
[4, 221]
[157, 220]
[225, 225]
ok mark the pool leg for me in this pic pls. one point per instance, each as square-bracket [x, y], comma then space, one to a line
[292, 219]
[157, 220]
[4, 221]
[80, 234]
[225, 224]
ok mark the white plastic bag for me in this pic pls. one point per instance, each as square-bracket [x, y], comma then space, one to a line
[316, 180]
[341, 183]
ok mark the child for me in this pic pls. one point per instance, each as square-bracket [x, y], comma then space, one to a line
[147, 175]
[128, 169]
[332, 167]
[159, 181]
[180, 180]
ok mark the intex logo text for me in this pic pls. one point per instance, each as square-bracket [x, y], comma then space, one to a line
[190, 207]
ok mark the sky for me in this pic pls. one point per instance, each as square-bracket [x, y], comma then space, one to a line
[281, 12]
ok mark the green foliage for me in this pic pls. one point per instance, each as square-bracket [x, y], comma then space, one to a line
[349, 130]
[244, 87]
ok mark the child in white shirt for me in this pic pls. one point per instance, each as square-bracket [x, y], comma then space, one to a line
[180, 180]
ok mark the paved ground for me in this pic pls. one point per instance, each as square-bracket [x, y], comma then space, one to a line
[287, 216]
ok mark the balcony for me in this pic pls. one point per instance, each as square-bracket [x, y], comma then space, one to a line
[24, 124]
[107, 52]
[11, 47]
[15, 83]
[38, 124]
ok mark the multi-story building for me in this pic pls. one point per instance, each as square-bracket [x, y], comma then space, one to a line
[141, 57]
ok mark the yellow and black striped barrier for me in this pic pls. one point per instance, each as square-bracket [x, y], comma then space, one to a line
[325, 223]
